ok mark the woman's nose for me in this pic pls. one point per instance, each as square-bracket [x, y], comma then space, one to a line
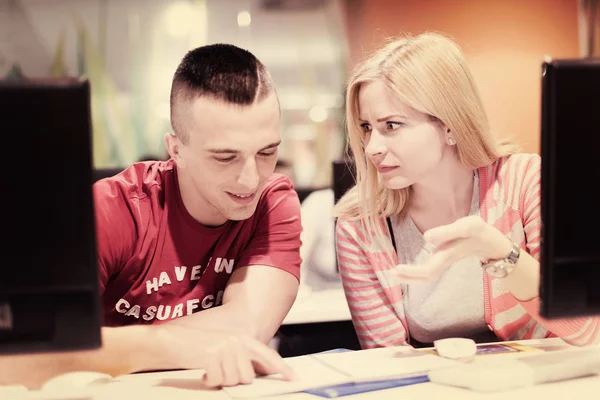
[375, 146]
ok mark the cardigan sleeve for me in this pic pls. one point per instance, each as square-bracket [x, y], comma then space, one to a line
[575, 331]
[374, 318]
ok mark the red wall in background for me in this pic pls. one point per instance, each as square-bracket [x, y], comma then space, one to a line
[504, 41]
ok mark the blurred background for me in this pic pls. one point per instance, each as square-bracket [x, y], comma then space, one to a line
[129, 50]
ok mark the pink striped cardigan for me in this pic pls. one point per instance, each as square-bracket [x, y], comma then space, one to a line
[510, 201]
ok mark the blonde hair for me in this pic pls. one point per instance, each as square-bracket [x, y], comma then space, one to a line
[429, 73]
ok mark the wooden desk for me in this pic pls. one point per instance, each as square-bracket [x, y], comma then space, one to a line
[184, 385]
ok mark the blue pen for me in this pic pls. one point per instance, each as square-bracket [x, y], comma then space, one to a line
[356, 388]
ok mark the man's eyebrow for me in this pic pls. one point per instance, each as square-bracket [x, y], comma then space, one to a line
[271, 146]
[223, 151]
[233, 151]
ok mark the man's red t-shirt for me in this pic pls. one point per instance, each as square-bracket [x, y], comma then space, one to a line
[158, 263]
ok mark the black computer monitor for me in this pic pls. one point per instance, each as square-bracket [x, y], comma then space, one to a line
[570, 151]
[48, 275]
[344, 177]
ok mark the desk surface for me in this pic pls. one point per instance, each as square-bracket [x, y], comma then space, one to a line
[187, 385]
[318, 306]
[184, 385]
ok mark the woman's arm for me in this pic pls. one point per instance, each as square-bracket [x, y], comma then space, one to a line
[375, 321]
[524, 280]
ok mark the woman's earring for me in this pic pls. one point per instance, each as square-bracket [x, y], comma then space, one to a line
[451, 141]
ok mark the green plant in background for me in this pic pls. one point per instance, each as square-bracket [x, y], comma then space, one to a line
[128, 125]
[115, 141]
[110, 122]
[58, 68]
[140, 103]
[15, 73]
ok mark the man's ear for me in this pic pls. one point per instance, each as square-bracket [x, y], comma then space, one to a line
[173, 146]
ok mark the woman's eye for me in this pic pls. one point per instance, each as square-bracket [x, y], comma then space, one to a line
[391, 125]
[266, 154]
[365, 127]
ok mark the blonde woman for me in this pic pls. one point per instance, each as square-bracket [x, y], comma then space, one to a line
[440, 237]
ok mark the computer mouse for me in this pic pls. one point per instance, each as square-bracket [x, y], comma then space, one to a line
[75, 380]
[456, 348]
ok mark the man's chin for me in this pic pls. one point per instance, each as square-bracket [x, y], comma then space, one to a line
[241, 214]
[238, 211]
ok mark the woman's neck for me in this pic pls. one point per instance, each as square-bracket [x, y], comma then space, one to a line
[443, 197]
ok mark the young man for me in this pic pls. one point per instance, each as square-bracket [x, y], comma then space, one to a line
[198, 255]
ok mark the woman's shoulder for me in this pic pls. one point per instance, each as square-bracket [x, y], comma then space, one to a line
[512, 168]
[350, 225]
[520, 161]
[511, 178]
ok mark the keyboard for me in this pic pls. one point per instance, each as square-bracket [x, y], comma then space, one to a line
[489, 375]
[563, 364]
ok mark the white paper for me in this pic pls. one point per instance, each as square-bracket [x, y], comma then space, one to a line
[310, 373]
[363, 366]
[326, 369]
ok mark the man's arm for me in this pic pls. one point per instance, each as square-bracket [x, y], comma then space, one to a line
[121, 347]
[120, 351]
[256, 301]
[257, 298]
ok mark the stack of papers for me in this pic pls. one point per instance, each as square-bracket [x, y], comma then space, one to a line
[324, 370]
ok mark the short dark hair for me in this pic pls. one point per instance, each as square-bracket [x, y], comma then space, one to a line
[222, 71]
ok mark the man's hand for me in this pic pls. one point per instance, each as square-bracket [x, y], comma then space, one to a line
[466, 237]
[228, 358]
[227, 341]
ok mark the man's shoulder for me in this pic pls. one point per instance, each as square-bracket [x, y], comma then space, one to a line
[139, 180]
[278, 182]
[279, 199]
[278, 187]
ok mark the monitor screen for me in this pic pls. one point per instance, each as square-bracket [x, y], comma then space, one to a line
[570, 151]
[343, 177]
[48, 275]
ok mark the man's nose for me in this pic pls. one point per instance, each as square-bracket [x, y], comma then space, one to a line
[249, 176]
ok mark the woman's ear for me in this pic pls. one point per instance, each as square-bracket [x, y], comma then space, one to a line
[450, 141]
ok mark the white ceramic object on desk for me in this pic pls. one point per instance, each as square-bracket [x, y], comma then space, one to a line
[456, 348]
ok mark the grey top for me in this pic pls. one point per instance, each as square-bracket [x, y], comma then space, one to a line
[452, 304]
